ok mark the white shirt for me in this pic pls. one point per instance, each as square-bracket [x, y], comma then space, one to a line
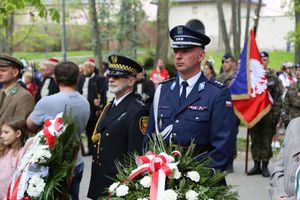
[191, 81]
[117, 101]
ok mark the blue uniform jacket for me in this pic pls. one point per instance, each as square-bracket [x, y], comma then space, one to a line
[206, 117]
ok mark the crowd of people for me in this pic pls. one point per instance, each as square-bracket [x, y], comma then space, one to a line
[122, 109]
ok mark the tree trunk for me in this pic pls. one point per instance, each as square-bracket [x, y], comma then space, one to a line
[297, 19]
[223, 26]
[234, 29]
[8, 48]
[162, 35]
[256, 19]
[96, 34]
[247, 20]
[239, 27]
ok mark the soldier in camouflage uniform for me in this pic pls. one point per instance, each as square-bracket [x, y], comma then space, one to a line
[262, 133]
[228, 66]
[291, 104]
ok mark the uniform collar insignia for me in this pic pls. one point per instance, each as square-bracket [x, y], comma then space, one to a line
[173, 85]
[201, 86]
[14, 90]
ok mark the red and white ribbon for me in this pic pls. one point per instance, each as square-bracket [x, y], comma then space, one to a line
[159, 166]
[53, 129]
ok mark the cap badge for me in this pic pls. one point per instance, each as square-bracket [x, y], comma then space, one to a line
[179, 30]
[114, 59]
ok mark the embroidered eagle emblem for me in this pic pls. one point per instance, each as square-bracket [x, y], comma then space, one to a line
[258, 78]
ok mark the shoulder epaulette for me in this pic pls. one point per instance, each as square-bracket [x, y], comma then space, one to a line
[166, 81]
[217, 83]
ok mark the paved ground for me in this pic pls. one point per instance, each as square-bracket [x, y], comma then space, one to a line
[249, 187]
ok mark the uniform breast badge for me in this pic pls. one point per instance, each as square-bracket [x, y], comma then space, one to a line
[143, 124]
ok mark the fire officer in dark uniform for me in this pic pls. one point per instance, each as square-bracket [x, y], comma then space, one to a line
[191, 108]
[92, 87]
[120, 128]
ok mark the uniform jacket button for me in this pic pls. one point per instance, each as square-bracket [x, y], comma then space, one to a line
[174, 134]
[107, 134]
[196, 118]
[101, 149]
[177, 121]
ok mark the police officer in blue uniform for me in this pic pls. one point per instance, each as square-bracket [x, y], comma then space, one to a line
[120, 128]
[190, 108]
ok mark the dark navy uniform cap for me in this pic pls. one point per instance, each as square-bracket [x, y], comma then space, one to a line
[264, 54]
[6, 60]
[185, 37]
[297, 65]
[226, 56]
[123, 66]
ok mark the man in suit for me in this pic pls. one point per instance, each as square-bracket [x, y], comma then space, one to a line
[48, 86]
[93, 88]
[190, 108]
[14, 99]
[283, 177]
[120, 128]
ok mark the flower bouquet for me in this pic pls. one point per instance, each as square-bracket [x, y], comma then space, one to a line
[165, 173]
[44, 171]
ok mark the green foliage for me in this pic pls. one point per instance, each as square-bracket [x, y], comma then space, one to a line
[10, 6]
[207, 187]
[62, 161]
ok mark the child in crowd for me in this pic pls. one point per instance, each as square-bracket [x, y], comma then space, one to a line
[12, 147]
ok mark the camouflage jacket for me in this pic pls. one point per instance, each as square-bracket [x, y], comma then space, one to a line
[291, 104]
[275, 88]
[225, 78]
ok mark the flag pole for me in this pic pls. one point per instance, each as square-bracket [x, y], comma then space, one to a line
[247, 152]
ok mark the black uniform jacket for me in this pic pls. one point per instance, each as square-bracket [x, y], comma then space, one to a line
[119, 130]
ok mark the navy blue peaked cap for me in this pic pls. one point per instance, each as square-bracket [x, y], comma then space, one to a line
[264, 54]
[123, 66]
[226, 56]
[185, 37]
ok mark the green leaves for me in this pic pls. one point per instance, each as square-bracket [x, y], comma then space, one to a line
[8, 7]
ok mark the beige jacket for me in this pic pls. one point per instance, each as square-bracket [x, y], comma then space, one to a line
[282, 180]
[18, 103]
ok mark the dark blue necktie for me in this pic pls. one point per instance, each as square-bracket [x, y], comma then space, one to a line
[183, 93]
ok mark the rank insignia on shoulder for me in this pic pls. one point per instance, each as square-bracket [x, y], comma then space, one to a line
[143, 124]
[228, 104]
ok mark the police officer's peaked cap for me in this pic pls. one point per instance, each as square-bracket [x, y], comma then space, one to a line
[264, 54]
[226, 56]
[123, 66]
[6, 60]
[185, 37]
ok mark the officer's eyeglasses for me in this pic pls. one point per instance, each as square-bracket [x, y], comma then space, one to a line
[116, 76]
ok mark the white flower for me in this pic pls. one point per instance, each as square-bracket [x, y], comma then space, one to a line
[113, 186]
[194, 176]
[191, 195]
[210, 199]
[122, 190]
[36, 186]
[176, 174]
[170, 195]
[40, 154]
[146, 181]
[142, 199]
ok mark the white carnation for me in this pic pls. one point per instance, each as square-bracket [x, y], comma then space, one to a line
[176, 174]
[36, 186]
[122, 190]
[194, 176]
[113, 186]
[170, 195]
[40, 154]
[142, 199]
[146, 181]
[191, 195]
